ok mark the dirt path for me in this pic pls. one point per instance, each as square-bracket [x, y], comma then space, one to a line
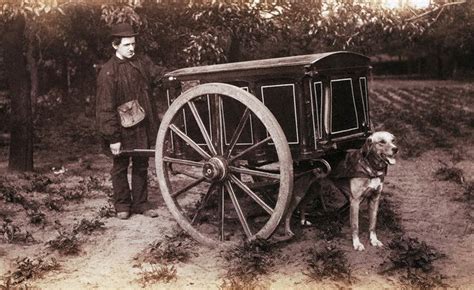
[430, 212]
[427, 207]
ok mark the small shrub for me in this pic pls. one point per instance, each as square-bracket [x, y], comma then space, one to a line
[13, 234]
[238, 284]
[75, 194]
[172, 249]
[410, 253]
[164, 274]
[88, 226]
[107, 211]
[447, 173]
[65, 244]
[235, 283]
[469, 192]
[418, 279]
[93, 183]
[36, 217]
[415, 260]
[10, 193]
[246, 262]
[53, 204]
[328, 263]
[28, 268]
[37, 182]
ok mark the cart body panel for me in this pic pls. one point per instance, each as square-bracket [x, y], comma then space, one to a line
[320, 100]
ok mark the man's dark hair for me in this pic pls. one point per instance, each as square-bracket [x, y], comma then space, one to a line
[116, 40]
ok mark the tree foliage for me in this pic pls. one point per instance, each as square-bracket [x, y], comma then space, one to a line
[65, 38]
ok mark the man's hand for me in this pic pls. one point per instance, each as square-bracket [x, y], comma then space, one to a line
[115, 148]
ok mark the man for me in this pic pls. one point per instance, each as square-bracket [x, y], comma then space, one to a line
[125, 77]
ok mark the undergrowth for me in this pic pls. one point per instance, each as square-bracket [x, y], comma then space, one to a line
[413, 260]
[172, 249]
[87, 227]
[65, 243]
[11, 233]
[330, 263]
[27, 269]
[449, 173]
[107, 211]
[245, 263]
[157, 274]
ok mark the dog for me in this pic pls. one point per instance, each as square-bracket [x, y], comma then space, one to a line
[359, 176]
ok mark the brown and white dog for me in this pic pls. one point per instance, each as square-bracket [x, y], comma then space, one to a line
[359, 176]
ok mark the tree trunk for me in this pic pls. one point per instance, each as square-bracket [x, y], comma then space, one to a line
[21, 126]
[33, 68]
[234, 53]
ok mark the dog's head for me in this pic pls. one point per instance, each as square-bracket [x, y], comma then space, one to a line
[382, 144]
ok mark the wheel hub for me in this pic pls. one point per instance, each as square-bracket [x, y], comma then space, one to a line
[215, 169]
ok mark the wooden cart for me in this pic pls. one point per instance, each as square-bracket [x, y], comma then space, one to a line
[235, 137]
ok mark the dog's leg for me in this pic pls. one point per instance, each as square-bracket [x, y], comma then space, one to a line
[358, 189]
[373, 209]
[354, 219]
[300, 188]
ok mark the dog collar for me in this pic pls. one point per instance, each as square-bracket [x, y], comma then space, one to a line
[370, 170]
[355, 164]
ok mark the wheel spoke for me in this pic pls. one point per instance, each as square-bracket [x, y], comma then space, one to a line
[222, 211]
[204, 201]
[187, 187]
[238, 209]
[253, 147]
[252, 194]
[189, 141]
[254, 172]
[238, 132]
[201, 126]
[220, 137]
[182, 161]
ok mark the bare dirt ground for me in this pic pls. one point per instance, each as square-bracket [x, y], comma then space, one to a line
[113, 256]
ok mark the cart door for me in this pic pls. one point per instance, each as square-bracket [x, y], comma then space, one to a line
[347, 107]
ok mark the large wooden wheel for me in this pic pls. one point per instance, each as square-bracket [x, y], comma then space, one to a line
[207, 175]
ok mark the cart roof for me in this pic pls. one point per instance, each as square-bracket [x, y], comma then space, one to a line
[291, 64]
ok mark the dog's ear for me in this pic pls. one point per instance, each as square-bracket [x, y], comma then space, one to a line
[367, 146]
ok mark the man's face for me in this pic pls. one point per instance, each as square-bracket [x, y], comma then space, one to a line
[126, 48]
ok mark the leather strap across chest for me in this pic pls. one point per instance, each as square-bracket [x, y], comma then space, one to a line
[356, 165]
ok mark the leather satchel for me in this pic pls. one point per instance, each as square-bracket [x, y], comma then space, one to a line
[131, 113]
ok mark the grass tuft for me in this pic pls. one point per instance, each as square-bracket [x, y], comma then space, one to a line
[66, 244]
[414, 259]
[331, 263]
[246, 262]
[87, 227]
[14, 234]
[27, 269]
[158, 274]
[447, 173]
[173, 249]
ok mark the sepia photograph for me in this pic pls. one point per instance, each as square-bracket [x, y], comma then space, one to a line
[236, 144]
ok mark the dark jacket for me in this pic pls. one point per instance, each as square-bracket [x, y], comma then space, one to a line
[120, 81]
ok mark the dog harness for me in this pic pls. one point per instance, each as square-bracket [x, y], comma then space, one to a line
[355, 164]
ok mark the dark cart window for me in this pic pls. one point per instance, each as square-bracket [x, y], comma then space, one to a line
[280, 99]
[343, 109]
[190, 125]
[233, 111]
[316, 103]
